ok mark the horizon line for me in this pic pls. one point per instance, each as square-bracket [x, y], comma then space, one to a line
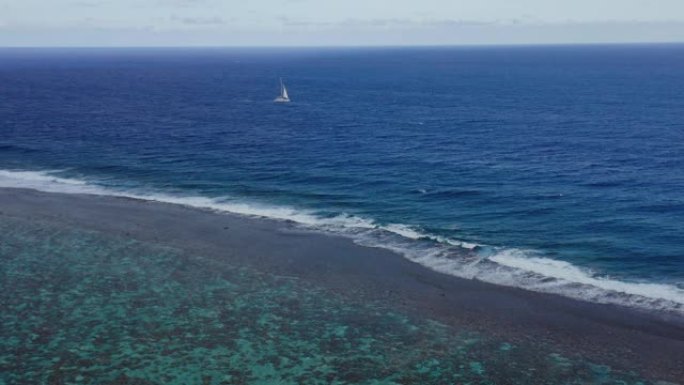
[460, 45]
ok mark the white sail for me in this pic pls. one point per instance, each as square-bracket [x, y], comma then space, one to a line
[283, 97]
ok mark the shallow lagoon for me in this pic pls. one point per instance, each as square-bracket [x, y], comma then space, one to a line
[81, 307]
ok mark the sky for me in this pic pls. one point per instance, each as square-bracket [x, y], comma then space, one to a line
[336, 22]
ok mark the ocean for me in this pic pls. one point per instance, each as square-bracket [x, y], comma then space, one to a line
[557, 169]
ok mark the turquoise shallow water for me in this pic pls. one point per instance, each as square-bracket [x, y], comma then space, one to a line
[81, 307]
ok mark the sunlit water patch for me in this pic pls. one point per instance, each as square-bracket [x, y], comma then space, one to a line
[79, 307]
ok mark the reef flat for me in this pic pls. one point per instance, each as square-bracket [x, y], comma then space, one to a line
[102, 290]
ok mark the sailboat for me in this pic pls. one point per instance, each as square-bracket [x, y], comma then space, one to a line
[283, 97]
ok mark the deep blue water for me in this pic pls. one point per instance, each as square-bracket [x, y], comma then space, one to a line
[571, 154]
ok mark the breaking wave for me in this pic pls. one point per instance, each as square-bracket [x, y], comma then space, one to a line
[527, 269]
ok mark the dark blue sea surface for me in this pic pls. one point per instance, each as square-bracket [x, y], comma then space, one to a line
[557, 169]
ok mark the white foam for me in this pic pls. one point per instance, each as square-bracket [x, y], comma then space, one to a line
[33, 179]
[412, 233]
[48, 182]
[509, 267]
[566, 272]
[518, 268]
[404, 231]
